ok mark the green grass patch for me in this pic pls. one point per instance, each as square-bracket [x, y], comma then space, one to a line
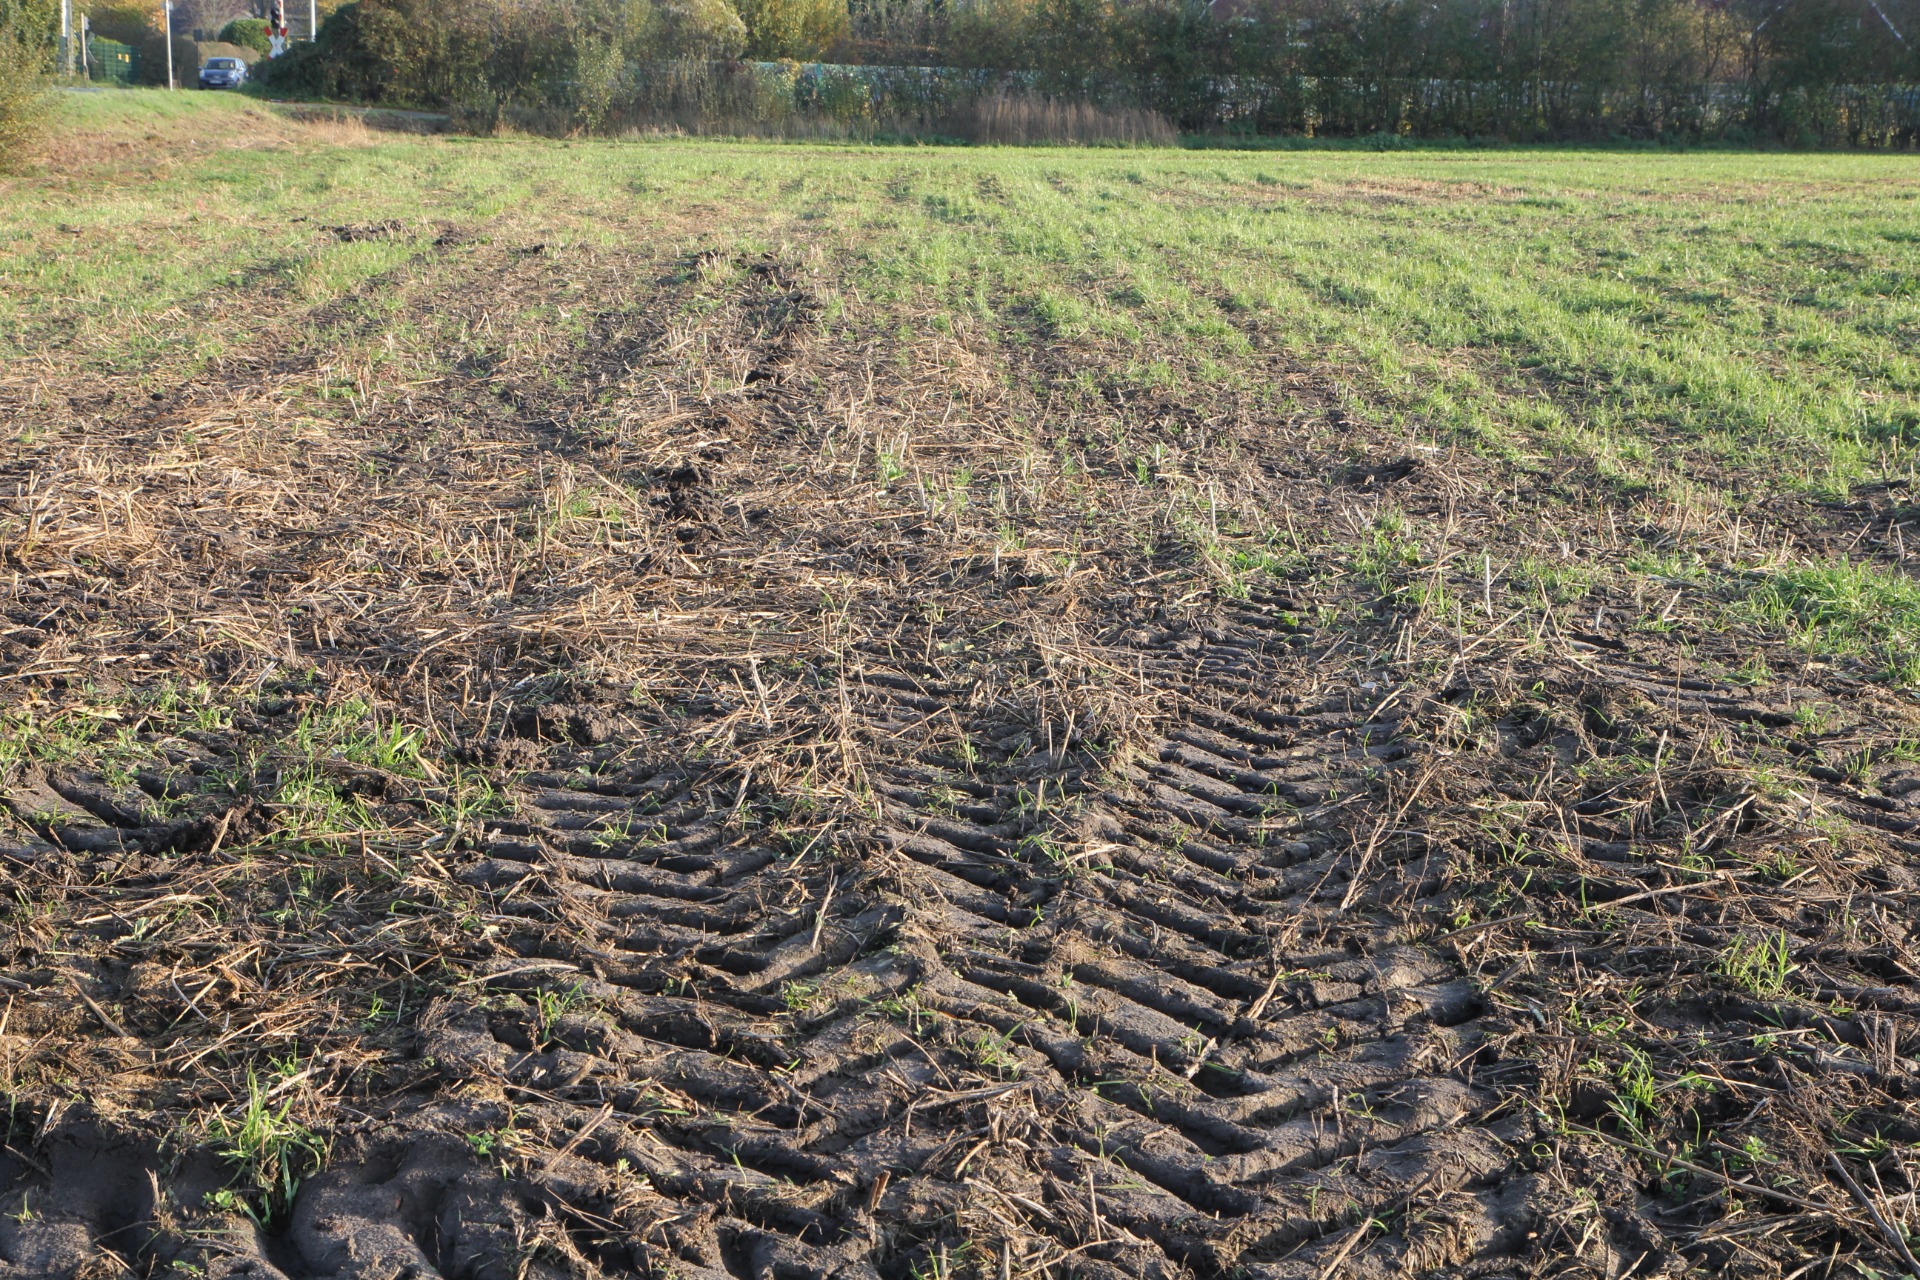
[269, 1151]
[1759, 964]
[1652, 314]
[1845, 610]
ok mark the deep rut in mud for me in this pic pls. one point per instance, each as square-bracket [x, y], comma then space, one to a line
[863, 882]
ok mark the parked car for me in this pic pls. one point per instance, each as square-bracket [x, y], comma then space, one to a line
[223, 73]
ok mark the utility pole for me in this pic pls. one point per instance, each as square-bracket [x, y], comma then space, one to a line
[169, 21]
[66, 38]
[313, 21]
[86, 33]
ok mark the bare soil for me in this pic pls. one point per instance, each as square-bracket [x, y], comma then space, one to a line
[871, 883]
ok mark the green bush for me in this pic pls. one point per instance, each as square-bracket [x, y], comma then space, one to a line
[248, 32]
[799, 29]
[335, 64]
[488, 60]
[127, 21]
[135, 24]
[151, 67]
[26, 47]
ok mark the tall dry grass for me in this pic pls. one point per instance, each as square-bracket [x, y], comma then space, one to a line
[701, 97]
[1030, 119]
[695, 98]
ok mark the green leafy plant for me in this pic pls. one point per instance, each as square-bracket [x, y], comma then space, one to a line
[1759, 963]
[25, 48]
[271, 1154]
[992, 1051]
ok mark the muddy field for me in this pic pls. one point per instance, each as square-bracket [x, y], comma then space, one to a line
[727, 782]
